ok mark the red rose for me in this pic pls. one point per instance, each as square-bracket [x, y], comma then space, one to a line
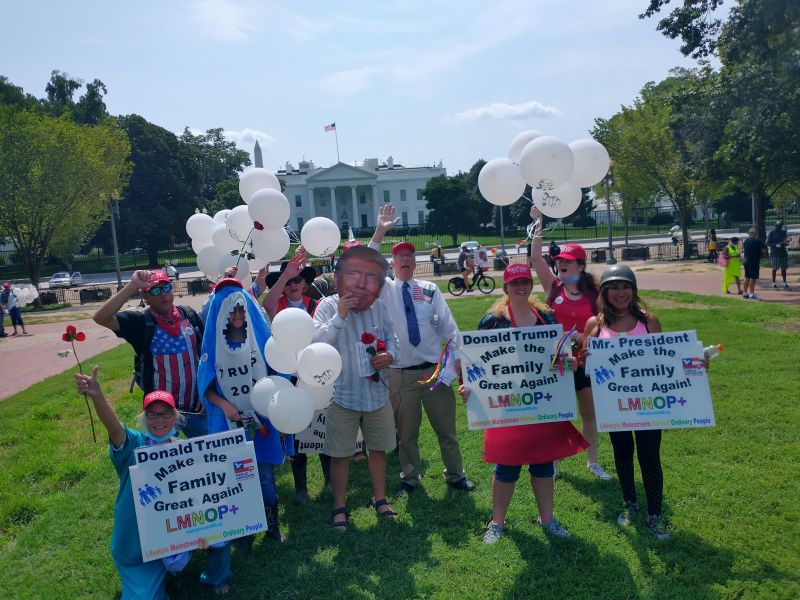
[380, 346]
[258, 226]
[367, 338]
[80, 336]
[72, 335]
[71, 329]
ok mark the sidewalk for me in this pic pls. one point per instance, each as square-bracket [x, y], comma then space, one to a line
[25, 360]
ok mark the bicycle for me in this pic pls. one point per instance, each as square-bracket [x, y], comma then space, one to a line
[485, 283]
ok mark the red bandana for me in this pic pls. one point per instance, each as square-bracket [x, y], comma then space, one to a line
[171, 323]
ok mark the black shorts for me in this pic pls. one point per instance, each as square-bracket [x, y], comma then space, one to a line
[581, 379]
[751, 271]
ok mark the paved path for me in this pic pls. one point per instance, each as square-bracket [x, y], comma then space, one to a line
[25, 360]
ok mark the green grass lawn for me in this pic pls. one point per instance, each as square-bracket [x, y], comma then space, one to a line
[732, 497]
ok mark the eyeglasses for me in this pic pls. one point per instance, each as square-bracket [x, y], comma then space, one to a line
[157, 291]
[294, 280]
[164, 414]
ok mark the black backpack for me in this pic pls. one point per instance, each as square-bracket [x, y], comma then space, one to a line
[187, 313]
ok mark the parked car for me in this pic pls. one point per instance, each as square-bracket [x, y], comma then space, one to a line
[65, 280]
[471, 246]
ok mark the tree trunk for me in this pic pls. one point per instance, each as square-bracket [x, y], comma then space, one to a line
[759, 198]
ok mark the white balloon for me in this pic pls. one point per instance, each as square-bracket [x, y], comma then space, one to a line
[199, 226]
[546, 162]
[208, 261]
[270, 244]
[262, 392]
[293, 329]
[320, 396]
[17, 291]
[34, 293]
[270, 208]
[291, 410]
[255, 179]
[223, 241]
[560, 202]
[519, 142]
[591, 162]
[198, 245]
[320, 236]
[281, 383]
[319, 364]
[242, 267]
[221, 216]
[239, 223]
[500, 182]
[279, 359]
[256, 264]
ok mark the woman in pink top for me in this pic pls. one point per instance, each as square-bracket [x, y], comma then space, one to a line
[572, 296]
[621, 312]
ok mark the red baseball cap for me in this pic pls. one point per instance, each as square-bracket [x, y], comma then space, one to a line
[517, 271]
[158, 396]
[572, 252]
[350, 244]
[6, 284]
[155, 278]
[403, 247]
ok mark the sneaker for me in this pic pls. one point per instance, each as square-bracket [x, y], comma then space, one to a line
[405, 489]
[657, 527]
[786, 287]
[493, 533]
[554, 528]
[755, 297]
[629, 512]
[746, 296]
[597, 470]
[774, 286]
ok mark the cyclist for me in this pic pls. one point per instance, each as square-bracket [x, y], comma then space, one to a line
[465, 265]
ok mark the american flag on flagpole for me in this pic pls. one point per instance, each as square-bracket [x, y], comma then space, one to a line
[331, 127]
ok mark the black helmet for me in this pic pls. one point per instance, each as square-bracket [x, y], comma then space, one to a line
[618, 273]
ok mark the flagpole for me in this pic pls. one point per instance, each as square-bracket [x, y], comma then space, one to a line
[336, 133]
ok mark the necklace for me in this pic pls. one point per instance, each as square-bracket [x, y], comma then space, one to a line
[571, 293]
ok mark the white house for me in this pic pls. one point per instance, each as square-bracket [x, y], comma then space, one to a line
[350, 195]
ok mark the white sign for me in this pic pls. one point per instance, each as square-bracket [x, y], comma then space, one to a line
[509, 376]
[312, 439]
[202, 487]
[653, 381]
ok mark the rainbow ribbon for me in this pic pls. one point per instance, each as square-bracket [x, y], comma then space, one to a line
[438, 373]
[560, 347]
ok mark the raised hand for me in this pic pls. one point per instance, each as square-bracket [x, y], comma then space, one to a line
[386, 218]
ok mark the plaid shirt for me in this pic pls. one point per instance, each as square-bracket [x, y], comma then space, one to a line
[354, 391]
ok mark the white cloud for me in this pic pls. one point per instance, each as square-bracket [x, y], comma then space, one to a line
[246, 138]
[348, 82]
[502, 110]
[224, 20]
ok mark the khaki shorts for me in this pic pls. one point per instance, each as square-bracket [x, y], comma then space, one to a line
[341, 430]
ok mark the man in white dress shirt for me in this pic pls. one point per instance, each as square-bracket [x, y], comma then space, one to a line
[422, 322]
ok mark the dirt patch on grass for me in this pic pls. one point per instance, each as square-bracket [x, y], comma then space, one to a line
[57, 317]
[653, 303]
[787, 326]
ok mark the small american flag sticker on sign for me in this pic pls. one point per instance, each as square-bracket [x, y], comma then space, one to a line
[419, 293]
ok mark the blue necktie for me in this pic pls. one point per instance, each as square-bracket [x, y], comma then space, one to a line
[411, 317]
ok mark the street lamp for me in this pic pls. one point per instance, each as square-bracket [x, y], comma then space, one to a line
[610, 260]
[113, 209]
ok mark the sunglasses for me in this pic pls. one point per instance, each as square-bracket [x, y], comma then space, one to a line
[294, 280]
[164, 414]
[157, 291]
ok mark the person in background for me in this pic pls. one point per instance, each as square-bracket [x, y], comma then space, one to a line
[552, 251]
[436, 258]
[145, 580]
[752, 251]
[14, 312]
[4, 293]
[465, 264]
[778, 255]
[733, 269]
[534, 445]
[712, 246]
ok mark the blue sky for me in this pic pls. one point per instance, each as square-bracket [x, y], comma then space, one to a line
[420, 81]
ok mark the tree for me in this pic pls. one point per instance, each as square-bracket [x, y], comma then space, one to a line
[692, 22]
[644, 146]
[452, 204]
[215, 160]
[163, 190]
[55, 180]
